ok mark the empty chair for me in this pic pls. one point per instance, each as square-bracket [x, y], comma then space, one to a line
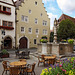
[30, 69]
[5, 66]
[41, 60]
[14, 70]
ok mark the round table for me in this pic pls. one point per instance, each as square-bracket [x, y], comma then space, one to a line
[18, 63]
[51, 59]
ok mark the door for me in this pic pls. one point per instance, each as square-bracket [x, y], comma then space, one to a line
[23, 42]
[7, 43]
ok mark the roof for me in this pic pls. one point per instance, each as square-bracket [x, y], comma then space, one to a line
[64, 17]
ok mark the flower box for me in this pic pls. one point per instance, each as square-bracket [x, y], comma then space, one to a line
[5, 12]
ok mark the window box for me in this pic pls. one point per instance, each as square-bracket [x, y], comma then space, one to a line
[6, 27]
[5, 12]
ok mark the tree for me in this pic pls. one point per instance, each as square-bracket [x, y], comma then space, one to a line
[66, 30]
[51, 36]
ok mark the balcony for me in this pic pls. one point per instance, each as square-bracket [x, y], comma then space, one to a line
[6, 27]
[5, 12]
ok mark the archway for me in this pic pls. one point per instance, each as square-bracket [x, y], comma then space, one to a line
[7, 43]
[23, 42]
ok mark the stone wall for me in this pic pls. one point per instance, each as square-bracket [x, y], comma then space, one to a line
[57, 49]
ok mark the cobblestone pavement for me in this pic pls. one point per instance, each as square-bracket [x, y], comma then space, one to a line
[32, 59]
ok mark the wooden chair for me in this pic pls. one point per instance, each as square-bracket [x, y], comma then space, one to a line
[23, 60]
[5, 66]
[14, 70]
[30, 69]
[41, 60]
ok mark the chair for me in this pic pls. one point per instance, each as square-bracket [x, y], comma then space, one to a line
[1, 57]
[41, 60]
[14, 70]
[27, 54]
[30, 69]
[23, 60]
[17, 53]
[5, 66]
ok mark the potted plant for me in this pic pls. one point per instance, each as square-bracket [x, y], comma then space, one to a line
[70, 41]
[5, 53]
[43, 40]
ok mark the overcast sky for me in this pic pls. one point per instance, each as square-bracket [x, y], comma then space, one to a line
[55, 8]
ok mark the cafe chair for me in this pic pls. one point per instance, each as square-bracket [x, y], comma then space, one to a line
[30, 69]
[22, 60]
[41, 60]
[5, 66]
[14, 70]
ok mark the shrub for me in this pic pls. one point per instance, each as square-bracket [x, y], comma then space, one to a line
[70, 41]
[4, 51]
[43, 40]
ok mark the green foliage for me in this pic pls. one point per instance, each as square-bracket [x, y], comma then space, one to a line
[43, 40]
[51, 36]
[66, 67]
[66, 30]
[70, 41]
[4, 51]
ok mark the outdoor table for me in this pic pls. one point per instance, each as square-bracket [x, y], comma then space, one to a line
[18, 63]
[51, 59]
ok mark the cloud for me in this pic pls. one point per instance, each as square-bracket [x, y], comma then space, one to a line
[67, 6]
[52, 17]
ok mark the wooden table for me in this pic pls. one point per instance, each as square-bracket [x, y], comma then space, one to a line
[51, 59]
[18, 63]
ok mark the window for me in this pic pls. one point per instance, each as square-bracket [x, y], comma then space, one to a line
[0, 7]
[10, 24]
[30, 11]
[30, 30]
[37, 31]
[26, 18]
[44, 32]
[34, 41]
[4, 8]
[22, 29]
[7, 23]
[44, 22]
[22, 18]
[4, 23]
[36, 21]
[35, 3]
[41, 14]
[8, 9]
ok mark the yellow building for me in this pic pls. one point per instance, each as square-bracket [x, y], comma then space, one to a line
[32, 23]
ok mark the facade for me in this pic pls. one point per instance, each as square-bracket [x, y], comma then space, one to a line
[7, 24]
[32, 23]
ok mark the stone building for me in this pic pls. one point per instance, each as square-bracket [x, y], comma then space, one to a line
[7, 24]
[32, 23]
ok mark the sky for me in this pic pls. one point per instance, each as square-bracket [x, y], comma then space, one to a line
[55, 8]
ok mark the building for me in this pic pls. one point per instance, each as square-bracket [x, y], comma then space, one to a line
[32, 23]
[64, 17]
[7, 24]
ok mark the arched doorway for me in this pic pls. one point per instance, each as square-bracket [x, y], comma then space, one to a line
[23, 42]
[7, 43]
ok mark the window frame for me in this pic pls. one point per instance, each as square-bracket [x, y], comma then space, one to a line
[22, 30]
[30, 31]
[37, 32]
[35, 41]
[45, 32]
[36, 21]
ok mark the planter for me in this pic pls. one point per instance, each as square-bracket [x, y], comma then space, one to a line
[5, 55]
